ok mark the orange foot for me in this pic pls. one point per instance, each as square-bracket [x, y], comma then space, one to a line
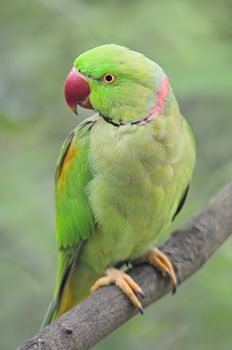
[124, 282]
[158, 259]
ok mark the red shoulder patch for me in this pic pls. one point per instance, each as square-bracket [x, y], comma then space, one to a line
[66, 159]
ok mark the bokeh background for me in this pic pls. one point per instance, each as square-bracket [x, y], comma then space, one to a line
[192, 41]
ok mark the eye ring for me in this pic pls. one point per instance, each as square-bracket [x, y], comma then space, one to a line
[109, 78]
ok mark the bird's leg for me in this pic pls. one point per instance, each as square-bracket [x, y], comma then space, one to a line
[124, 282]
[161, 262]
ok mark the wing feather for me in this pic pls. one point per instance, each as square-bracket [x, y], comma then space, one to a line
[74, 219]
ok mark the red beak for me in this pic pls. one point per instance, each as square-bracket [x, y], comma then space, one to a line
[76, 90]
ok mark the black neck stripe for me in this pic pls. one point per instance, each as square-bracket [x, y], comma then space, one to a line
[117, 124]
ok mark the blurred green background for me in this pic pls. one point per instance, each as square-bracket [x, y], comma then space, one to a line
[192, 41]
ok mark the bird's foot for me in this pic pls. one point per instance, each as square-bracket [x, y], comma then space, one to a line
[124, 282]
[158, 259]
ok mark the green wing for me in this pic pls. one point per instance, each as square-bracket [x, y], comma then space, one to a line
[74, 219]
[73, 215]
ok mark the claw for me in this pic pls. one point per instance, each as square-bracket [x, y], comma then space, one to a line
[174, 288]
[168, 276]
[141, 294]
[158, 259]
[126, 283]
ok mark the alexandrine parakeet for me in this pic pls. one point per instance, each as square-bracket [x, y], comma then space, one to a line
[122, 174]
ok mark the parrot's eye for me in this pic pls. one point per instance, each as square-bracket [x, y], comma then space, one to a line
[109, 78]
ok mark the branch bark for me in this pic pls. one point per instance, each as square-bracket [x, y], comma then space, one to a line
[188, 248]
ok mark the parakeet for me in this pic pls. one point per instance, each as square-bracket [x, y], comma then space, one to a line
[122, 174]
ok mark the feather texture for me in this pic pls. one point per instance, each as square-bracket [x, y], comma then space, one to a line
[118, 184]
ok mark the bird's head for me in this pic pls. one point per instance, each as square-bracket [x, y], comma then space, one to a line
[120, 84]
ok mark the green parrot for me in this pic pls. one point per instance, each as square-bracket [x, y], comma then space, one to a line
[122, 175]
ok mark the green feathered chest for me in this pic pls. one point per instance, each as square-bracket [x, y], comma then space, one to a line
[139, 174]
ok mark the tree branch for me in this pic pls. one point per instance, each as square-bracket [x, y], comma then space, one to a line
[107, 309]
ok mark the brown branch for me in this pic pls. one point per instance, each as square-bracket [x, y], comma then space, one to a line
[101, 313]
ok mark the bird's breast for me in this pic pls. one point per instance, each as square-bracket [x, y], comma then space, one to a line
[131, 176]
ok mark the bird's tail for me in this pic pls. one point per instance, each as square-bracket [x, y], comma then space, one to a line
[48, 318]
[73, 285]
[60, 304]
[64, 275]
